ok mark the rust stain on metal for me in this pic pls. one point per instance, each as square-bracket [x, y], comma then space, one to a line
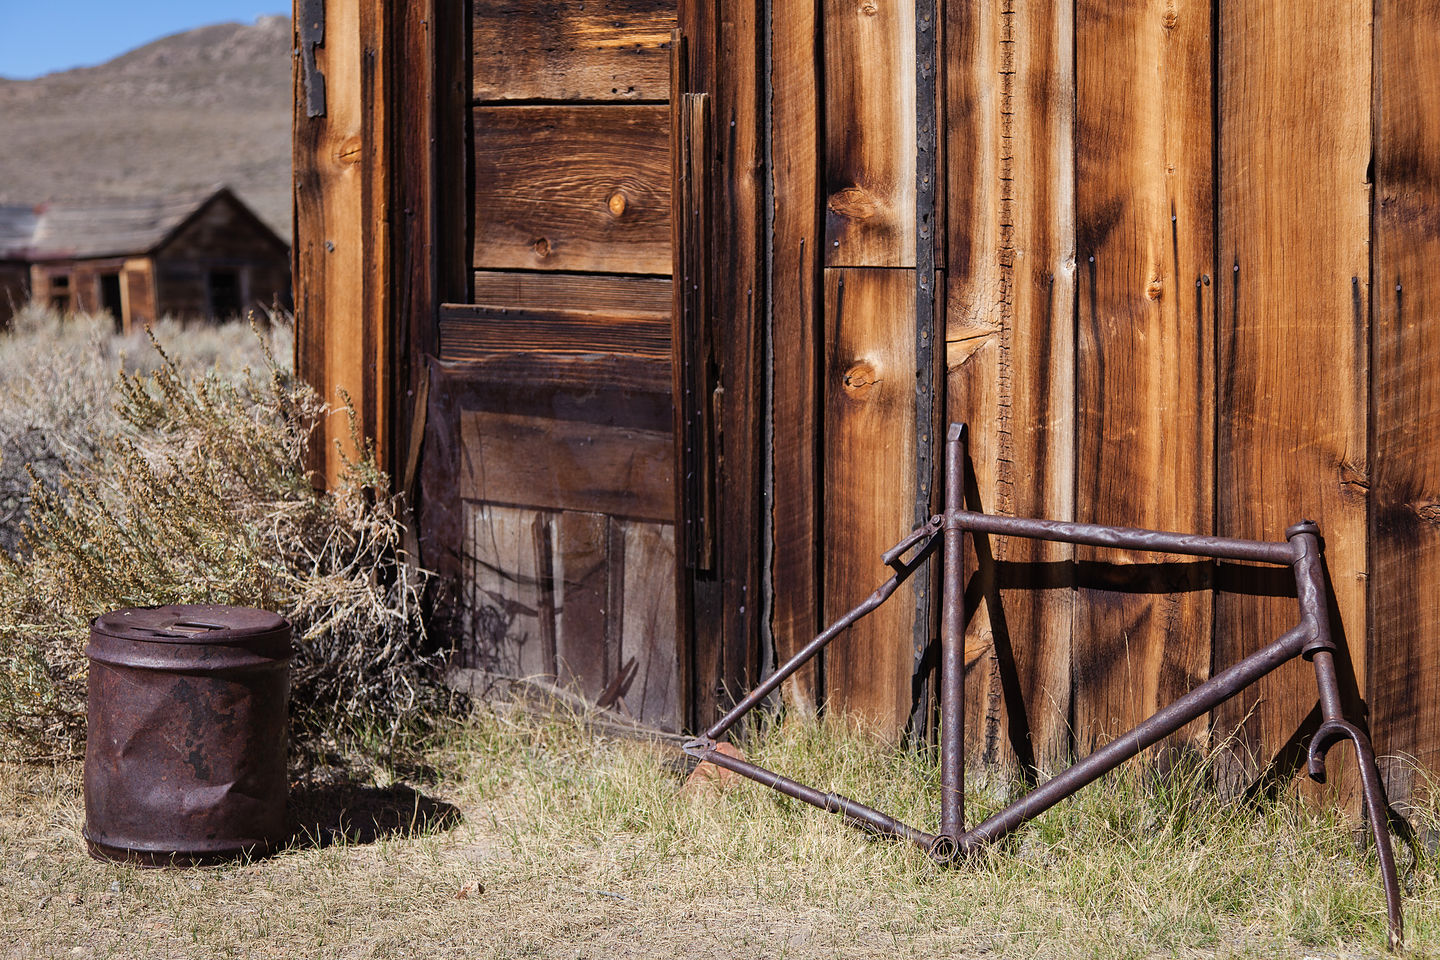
[185, 753]
[1310, 639]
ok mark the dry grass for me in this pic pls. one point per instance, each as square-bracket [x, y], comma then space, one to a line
[568, 845]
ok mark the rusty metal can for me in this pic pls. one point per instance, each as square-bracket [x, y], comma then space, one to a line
[185, 756]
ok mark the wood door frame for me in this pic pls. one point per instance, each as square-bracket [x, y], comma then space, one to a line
[722, 608]
[430, 262]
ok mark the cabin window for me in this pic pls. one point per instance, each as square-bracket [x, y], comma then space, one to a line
[225, 294]
[60, 292]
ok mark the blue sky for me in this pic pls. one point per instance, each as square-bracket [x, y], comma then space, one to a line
[42, 36]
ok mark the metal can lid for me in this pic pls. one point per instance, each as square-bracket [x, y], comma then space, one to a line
[193, 623]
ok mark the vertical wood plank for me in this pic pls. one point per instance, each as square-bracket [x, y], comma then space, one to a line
[739, 313]
[795, 337]
[430, 216]
[340, 252]
[372, 398]
[869, 133]
[581, 572]
[1145, 411]
[1294, 92]
[504, 610]
[648, 626]
[869, 471]
[1402, 654]
[725, 605]
[1010, 346]
[974, 317]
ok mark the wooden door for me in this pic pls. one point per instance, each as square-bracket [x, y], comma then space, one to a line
[549, 466]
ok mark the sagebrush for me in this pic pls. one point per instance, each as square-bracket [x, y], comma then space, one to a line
[193, 488]
[57, 385]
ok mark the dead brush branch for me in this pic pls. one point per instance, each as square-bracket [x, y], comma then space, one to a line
[201, 496]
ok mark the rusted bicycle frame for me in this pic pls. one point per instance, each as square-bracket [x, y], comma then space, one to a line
[1310, 638]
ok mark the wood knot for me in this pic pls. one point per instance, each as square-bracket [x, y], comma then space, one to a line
[860, 379]
[1429, 512]
[1171, 17]
[1154, 289]
[869, 9]
[349, 151]
[616, 203]
[541, 247]
[854, 203]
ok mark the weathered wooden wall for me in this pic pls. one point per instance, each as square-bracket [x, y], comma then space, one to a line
[1402, 631]
[1184, 250]
[1187, 254]
[1202, 335]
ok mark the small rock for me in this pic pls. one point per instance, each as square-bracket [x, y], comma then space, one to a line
[708, 779]
[114, 886]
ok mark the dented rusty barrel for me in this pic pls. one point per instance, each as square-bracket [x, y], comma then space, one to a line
[185, 755]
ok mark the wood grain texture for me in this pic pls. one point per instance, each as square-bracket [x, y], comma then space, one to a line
[1294, 98]
[869, 471]
[724, 610]
[739, 317]
[619, 378]
[573, 597]
[581, 568]
[471, 332]
[563, 464]
[694, 335]
[648, 623]
[629, 296]
[572, 188]
[795, 300]
[869, 145]
[506, 609]
[1403, 652]
[340, 250]
[1145, 404]
[1010, 345]
[572, 49]
[429, 264]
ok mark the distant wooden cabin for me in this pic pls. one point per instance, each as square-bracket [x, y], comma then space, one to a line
[17, 226]
[205, 256]
[662, 334]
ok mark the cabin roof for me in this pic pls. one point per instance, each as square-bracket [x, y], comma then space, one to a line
[71, 230]
[17, 228]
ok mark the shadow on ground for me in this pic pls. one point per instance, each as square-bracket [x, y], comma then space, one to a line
[321, 814]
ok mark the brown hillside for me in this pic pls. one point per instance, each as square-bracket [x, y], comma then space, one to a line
[207, 106]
